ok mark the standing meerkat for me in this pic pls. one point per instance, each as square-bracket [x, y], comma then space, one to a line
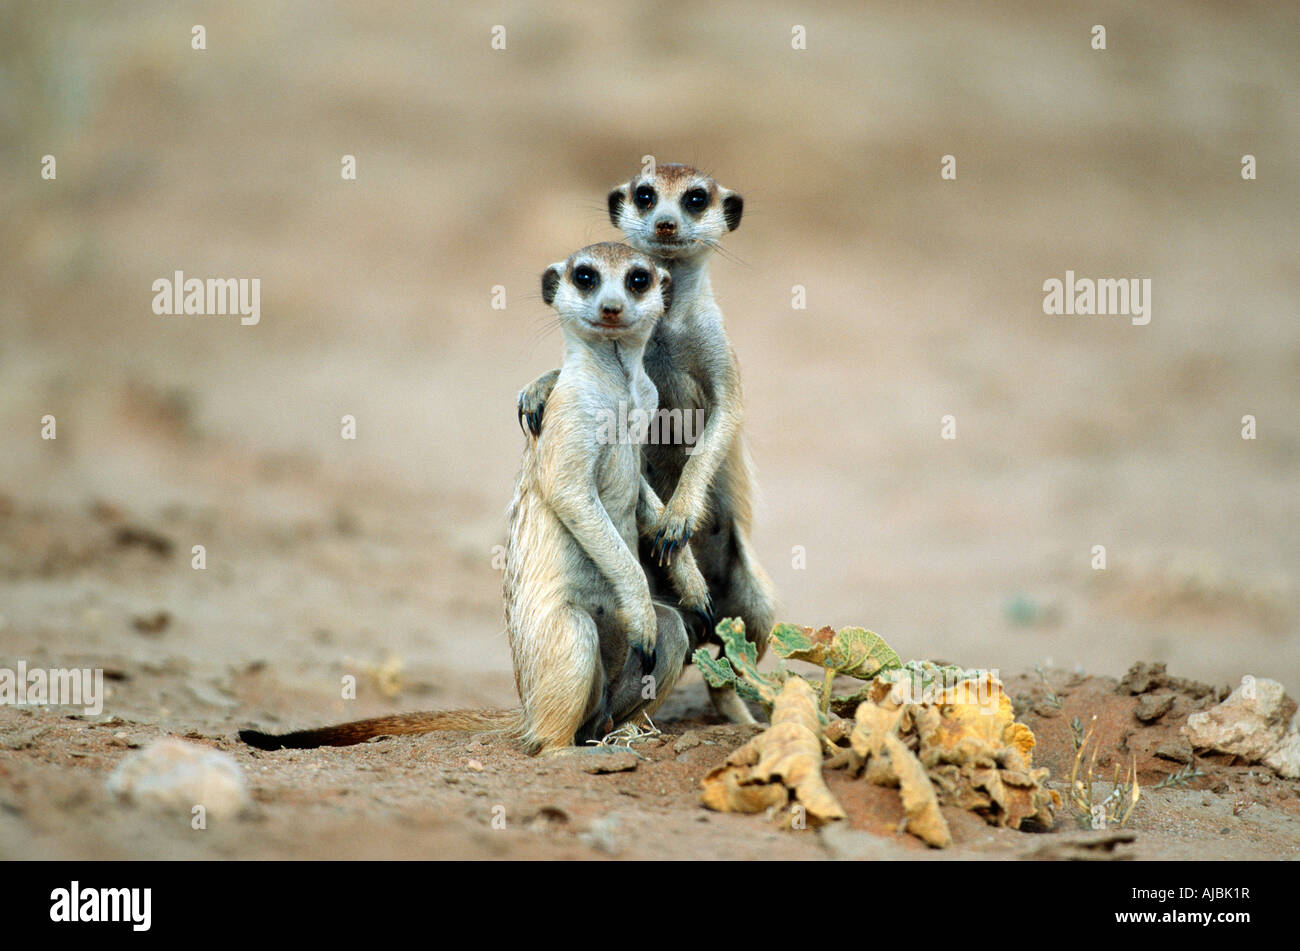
[678, 215]
[585, 634]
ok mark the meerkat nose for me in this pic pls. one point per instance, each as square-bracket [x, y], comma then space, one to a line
[665, 226]
[611, 309]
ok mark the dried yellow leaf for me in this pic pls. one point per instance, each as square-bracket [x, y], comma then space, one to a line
[781, 763]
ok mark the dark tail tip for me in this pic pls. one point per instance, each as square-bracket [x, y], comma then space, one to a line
[261, 741]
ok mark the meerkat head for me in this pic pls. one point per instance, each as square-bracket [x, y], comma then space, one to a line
[608, 292]
[676, 213]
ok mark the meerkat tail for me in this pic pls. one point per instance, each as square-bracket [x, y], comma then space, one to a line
[401, 724]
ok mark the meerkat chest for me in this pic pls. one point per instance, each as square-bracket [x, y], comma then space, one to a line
[670, 364]
[618, 485]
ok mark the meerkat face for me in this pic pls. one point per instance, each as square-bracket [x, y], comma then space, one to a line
[608, 292]
[676, 213]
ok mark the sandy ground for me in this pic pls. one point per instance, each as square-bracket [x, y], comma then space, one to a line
[373, 557]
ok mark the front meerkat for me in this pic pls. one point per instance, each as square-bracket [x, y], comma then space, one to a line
[584, 631]
[582, 625]
[678, 215]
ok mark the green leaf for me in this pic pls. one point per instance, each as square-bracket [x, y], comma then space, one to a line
[738, 665]
[854, 651]
[860, 653]
[717, 673]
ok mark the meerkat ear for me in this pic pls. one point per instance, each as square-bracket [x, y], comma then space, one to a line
[666, 288]
[616, 198]
[733, 206]
[551, 281]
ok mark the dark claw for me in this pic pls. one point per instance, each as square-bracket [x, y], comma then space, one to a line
[668, 553]
[522, 424]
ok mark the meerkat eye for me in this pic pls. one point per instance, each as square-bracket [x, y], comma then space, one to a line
[638, 280]
[585, 278]
[695, 200]
[644, 196]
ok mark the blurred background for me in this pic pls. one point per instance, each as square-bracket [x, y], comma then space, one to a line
[477, 167]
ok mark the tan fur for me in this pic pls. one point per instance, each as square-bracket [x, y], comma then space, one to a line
[692, 364]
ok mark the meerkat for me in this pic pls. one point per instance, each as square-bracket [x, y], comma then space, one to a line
[585, 634]
[678, 216]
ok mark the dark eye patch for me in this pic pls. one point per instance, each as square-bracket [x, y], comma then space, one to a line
[638, 279]
[644, 196]
[695, 201]
[585, 278]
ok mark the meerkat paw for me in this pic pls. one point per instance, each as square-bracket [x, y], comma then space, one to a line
[675, 530]
[695, 598]
[704, 611]
[642, 635]
[532, 402]
[692, 590]
[530, 414]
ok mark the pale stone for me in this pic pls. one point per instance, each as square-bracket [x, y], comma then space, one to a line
[1285, 758]
[174, 775]
[1246, 726]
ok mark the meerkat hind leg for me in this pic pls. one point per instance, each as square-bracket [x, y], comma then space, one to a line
[565, 689]
[627, 694]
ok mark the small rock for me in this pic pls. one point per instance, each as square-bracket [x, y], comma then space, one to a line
[1285, 757]
[1152, 706]
[475, 765]
[1141, 677]
[1179, 751]
[854, 845]
[139, 536]
[618, 762]
[172, 774]
[23, 740]
[1249, 724]
[688, 740]
[154, 623]
[600, 835]
[1086, 847]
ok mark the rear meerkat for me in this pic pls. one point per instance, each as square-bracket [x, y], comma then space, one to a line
[591, 648]
[678, 215]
